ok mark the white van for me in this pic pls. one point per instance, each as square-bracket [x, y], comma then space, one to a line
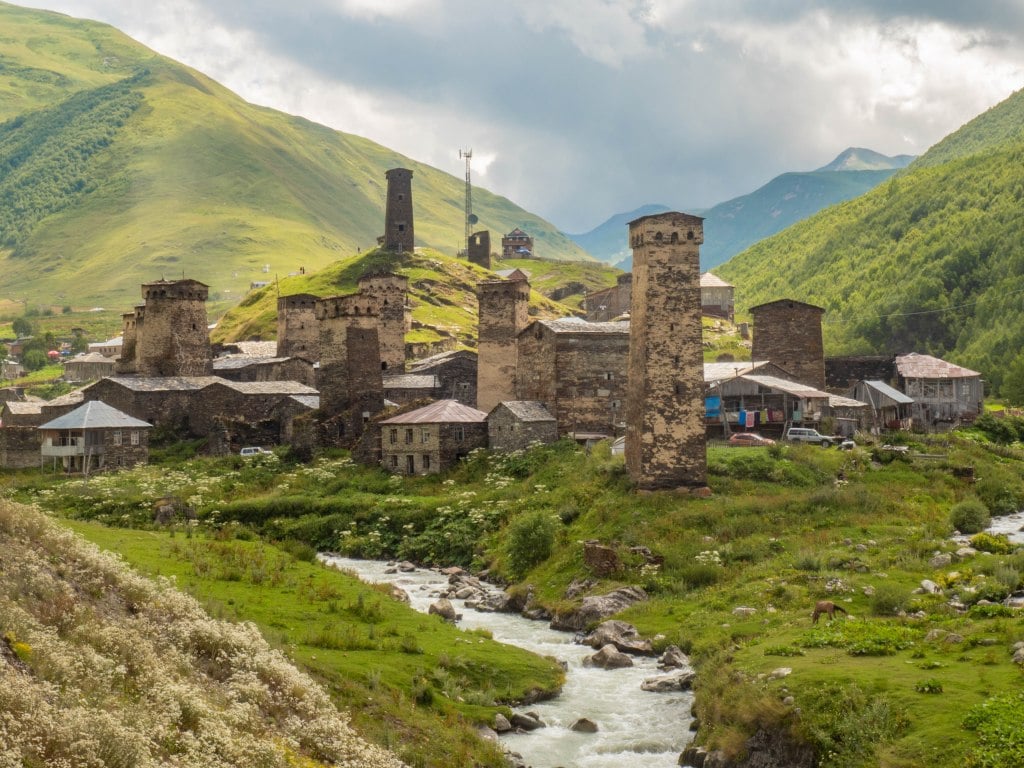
[805, 435]
[252, 451]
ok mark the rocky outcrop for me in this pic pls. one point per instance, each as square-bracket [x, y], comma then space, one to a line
[608, 658]
[526, 721]
[620, 634]
[583, 725]
[596, 608]
[765, 749]
[676, 680]
[673, 658]
[600, 558]
[444, 609]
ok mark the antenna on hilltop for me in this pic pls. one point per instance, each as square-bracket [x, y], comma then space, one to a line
[471, 218]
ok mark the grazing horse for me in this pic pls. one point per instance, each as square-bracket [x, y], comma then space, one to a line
[826, 606]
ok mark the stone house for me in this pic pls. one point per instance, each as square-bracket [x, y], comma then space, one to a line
[516, 245]
[95, 436]
[716, 299]
[578, 370]
[516, 424]
[405, 388]
[108, 348]
[243, 367]
[243, 406]
[164, 401]
[944, 394]
[11, 369]
[19, 434]
[455, 371]
[431, 439]
[88, 367]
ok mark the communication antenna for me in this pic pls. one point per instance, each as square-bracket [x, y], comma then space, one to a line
[471, 218]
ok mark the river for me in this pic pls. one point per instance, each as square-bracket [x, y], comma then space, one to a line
[636, 729]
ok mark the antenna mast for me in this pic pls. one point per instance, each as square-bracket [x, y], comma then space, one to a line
[471, 218]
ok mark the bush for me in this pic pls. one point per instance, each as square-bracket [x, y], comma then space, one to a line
[530, 538]
[969, 516]
[888, 600]
[997, 545]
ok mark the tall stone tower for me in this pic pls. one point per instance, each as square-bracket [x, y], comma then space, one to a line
[174, 340]
[349, 380]
[665, 445]
[502, 315]
[388, 294]
[298, 332]
[129, 329]
[398, 231]
[788, 333]
[480, 249]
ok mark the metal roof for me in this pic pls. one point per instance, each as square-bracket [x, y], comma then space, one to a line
[915, 366]
[890, 392]
[838, 401]
[708, 280]
[164, 383]
[410, 381]
[715, 372]
[789, 387]
[269, 387]
[441, 412]
[526, 410]
[95, 414]
[234, 362]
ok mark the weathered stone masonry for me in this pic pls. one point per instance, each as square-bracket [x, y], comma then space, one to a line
[665, 445]
[788, 333]
[398, 224]
[298, 334]
[173, 340]
[503, 315]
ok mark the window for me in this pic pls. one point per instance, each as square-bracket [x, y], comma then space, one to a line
[460, 433]
[134, 436]
[115, 437]
[609, 375]
[394, 462]
[408, 436]
[410, 465]
[426, 461]
[393, 436]
[424, 435]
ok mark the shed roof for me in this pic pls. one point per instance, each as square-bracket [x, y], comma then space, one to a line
[715, 372]
[95, 414]
[708, 280]
[525, 410]
[789, 387]
[579, 325]
[890, 392]
[441, 412]
[24, 409]
[915, 366]
[838, 401]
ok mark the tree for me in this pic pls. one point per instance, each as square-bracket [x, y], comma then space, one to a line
[22, 327]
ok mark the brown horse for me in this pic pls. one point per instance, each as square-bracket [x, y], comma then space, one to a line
[826, 606]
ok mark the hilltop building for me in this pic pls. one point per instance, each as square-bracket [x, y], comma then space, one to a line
[479, 249]
[398, 219]
[516, 245]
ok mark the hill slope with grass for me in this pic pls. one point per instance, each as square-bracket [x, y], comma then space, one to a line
[119, 166]
[931, 261]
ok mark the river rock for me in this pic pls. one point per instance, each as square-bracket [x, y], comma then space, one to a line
[444, 609]
[487, 733]
[673, 658]
[578, 586]
[609, 657]
[406, 567]
[597, 607]
[501, 723]
[743, 611]
[693, 756]
[941, 560]
[620, 634]
[583, 725]
[676, 680]
[466, 592]
[453, 570]
[399, 594]
[929, 587]
[526, 721]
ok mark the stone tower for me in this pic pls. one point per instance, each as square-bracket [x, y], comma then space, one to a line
[398, 231]
[129, 329]
[174, 340]
[349, 380]
[298, 333]
[788, 333]
[388, 294]
[480, 249]
[665, 445]
[503, 314]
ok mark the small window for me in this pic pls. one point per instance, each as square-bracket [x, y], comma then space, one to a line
[134, 437]
[460, 433]
[609, 375]
[408, 436]
[394, 462]
[393, 436]
[424, 435]
[116, 437]
[426, 461]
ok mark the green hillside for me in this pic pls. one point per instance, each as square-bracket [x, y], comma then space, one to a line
[931, 261]
[121, 166]
[441, 292]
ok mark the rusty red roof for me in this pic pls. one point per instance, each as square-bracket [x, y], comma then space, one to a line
[915, 366]
[441, 412]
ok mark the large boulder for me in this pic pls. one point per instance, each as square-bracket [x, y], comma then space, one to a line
[676, 680]
[583, 725]
[601, 559]
[597, 607]
[444, 609]
[526, 721]
[620, 634]
[673, 658]
[609, 657]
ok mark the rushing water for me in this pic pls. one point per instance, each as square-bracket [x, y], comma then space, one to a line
[636, 729]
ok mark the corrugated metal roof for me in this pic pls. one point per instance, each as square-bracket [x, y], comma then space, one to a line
[708, 280]
[890, 392]
[526, 410]
[410, 381]
[95, 414]
[579, 325]
[915, 366]
[789, 387]
[838, 401]
[441, 412]
[714, 372]
[310, 401]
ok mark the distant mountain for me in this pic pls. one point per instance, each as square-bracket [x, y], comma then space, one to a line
[736, 224]
[931, 261]
[118, 166]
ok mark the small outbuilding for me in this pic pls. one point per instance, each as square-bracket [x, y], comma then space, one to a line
[95, 436]
[432, 438]
[515, 424]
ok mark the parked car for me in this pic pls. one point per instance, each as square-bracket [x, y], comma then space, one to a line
[806, 435]
[252, 450]
[749, 438]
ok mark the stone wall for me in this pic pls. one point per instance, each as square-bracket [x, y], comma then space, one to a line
[842, 373]
[398, 218]
[456, 375]
[19, 447]
[173, 340]
[415, 449]
[610, 302]
[665, 446]
[506, 432]
[126, 361]
[502, 316]
[388, 294]
[298, 334]
[788, 333]
[480, 249]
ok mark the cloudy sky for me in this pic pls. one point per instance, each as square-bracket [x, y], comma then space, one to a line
[579, 109]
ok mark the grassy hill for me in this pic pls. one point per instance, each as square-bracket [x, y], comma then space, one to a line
[442, 292]
[121, 166]
[932, 260]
